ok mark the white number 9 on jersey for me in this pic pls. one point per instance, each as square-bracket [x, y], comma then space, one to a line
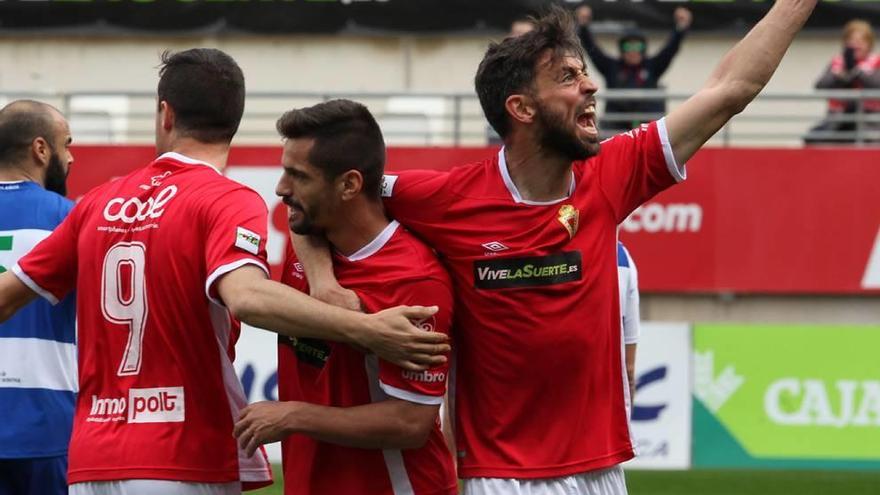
[124, 298]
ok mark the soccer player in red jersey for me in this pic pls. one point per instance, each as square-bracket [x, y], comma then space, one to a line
[530, 238]
[163, 261]
[353, 423]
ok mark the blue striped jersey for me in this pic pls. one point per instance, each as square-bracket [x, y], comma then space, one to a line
[38, 378]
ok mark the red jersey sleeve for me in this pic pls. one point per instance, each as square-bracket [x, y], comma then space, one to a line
[50, 268]
[636, 165]
[429, 386]
[236, 232]
[416, 197]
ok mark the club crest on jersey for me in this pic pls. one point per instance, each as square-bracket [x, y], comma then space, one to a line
[247, 240]
[428, 324]
[568, 216]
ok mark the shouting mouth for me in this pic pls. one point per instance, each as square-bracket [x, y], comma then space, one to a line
[586, 121]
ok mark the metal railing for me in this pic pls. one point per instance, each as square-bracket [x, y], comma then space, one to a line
[456, 119]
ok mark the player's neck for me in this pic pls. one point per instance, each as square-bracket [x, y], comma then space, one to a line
[356, 227]
[215, 154]
[538, 175]
[14, 174]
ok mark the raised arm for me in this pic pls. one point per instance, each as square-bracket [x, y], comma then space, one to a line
[263, 303]
[661, 61]
[14, 295]
[604, 63]
[738, 78]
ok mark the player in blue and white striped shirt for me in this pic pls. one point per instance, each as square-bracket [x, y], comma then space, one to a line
[628, 285]
[38, 379]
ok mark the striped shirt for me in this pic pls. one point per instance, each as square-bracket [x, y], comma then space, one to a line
[37, 345]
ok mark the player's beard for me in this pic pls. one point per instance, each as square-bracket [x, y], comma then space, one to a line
[56, 176]
[305, 225]
[562, 138]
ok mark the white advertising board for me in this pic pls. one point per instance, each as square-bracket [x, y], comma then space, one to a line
[661, 417]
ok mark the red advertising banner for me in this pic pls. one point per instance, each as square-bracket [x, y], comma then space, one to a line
[746, 220]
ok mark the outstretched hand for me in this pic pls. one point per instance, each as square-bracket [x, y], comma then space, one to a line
[397, 338]
[683, 18]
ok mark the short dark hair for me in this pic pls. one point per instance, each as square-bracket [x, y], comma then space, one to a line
[346, 136]
[509, 67]
[21, 122]
[205, 87]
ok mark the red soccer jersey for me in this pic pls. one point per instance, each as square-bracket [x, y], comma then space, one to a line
[392, 270]
[539, 388]
[158, 393]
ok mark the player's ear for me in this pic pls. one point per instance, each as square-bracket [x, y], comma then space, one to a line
[521, 108]
[350, 184]
[41, 151]
[166, 115]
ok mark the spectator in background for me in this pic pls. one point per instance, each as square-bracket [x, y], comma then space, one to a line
[634, 69]
[854, 68]
[37, 346]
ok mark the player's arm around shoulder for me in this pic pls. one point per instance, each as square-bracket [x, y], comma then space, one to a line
[404, 420]
[737, 79]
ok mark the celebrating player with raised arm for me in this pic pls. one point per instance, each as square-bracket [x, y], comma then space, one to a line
[164, 260]
[530, 239]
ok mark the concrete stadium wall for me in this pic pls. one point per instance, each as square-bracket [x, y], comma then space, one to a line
[341, 63]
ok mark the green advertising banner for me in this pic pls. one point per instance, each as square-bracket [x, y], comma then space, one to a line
[787, 396]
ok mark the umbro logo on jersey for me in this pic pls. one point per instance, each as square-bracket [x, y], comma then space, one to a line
[424, 376]
[134, 210]
[495, 246]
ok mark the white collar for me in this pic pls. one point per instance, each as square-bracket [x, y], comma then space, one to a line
[11, 182]
[511, 187]
[185, 159]
[376, 244]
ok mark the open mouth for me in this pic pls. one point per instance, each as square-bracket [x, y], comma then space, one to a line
[586, 120]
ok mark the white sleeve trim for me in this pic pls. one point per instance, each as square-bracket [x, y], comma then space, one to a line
[26, 280]
[678, 172]
[224, 269]
[397, 393]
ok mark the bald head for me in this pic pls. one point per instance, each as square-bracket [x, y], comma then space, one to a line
[35, 144]
[23, 121]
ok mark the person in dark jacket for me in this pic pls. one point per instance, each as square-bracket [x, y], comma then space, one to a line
[634, 69]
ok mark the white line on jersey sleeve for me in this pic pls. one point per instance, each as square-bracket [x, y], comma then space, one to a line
[397, 393]
[224, 269]
[678, 172]
[26, 280]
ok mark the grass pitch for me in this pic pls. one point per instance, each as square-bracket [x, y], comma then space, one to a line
[727, 482]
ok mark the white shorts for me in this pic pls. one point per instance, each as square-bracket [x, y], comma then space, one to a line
[154, 487]
[605, 482]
